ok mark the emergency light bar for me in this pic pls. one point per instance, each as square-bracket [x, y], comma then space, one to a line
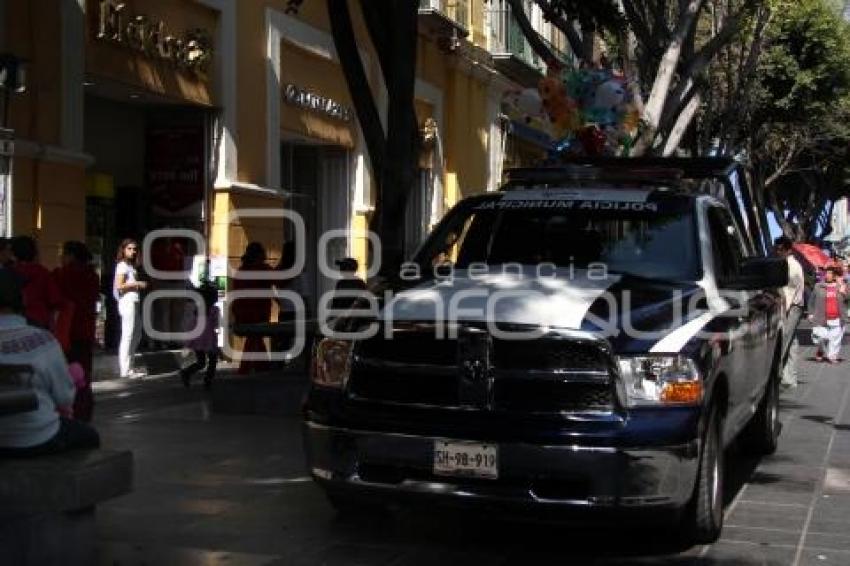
[652, 178]
[546, 175]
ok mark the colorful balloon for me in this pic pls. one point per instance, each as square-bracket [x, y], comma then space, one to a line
[595, 106]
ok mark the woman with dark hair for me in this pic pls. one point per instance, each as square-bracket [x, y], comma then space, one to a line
[125, 289]
[252, 310]
[42, 298]
[81, 285]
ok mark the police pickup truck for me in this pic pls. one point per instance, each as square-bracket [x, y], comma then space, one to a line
[583, 344]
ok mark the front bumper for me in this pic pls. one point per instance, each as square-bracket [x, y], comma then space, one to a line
[542, 478]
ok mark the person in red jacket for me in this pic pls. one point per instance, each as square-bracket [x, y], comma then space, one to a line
[42, 298]
[252, 310]
[81, 285]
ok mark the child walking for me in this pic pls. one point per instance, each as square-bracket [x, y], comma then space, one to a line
[205, 345]
[828, 314]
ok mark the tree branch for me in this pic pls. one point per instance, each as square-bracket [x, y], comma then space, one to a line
[683, 109]
[674, 139]
[730, 27]
[638, 25]
[784, 164]
[631, 70]
[534, 40]
[567, 27]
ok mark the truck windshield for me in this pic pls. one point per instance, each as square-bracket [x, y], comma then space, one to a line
[652, 240]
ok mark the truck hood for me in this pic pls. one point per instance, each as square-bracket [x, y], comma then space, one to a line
[625, 309]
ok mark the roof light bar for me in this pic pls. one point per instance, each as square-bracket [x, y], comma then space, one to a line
[643, 175]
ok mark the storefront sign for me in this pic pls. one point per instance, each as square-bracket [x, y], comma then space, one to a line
[151, 37]
[303, 98]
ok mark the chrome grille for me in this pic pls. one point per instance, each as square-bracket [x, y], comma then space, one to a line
[545, 375]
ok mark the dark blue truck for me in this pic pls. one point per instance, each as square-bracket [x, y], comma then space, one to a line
[581, 345]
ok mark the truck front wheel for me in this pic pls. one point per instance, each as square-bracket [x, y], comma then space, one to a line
[705, 510]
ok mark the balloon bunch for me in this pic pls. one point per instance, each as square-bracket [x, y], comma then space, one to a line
[592, 111]
[524, 106]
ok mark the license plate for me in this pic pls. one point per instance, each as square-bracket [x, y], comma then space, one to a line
[466, 459]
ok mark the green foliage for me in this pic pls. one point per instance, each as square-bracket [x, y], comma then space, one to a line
[802, 102]
[805, 71]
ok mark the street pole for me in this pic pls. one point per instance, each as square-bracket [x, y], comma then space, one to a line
[6, 151]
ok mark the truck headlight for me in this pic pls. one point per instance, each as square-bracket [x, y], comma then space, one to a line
[660, 380]
[332, 363]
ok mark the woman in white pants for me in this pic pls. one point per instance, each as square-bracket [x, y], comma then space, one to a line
[126, 287]
[828, 314]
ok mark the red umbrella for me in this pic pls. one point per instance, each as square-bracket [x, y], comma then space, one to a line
[813, 255]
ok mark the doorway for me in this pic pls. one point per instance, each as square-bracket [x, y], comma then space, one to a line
[318, 177]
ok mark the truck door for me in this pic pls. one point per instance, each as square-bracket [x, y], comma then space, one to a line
[748, 324]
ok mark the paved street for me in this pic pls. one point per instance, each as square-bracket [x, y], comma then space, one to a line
[216, 489]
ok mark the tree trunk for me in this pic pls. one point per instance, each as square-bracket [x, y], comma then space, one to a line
[399, 174]
[358, 86]
[664, 76]
[393, 29]
[674, 139]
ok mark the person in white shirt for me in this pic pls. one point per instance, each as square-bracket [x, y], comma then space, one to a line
[793, 298]
[42, 430]
[125, 289]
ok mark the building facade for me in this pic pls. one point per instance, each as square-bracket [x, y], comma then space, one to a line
[218, 116]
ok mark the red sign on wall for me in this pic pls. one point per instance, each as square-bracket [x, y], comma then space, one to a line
[175, 167]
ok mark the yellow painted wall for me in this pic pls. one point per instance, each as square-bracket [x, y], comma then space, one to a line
[360, 242]
[33, 32]
[478, 34]
[466, 124]
[49, 204]
[431, 64]
[252, 126]
[466, 137]
[231, 239]
[48, 197]
[251, 76]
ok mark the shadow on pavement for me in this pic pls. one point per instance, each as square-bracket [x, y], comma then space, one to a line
[520, 541]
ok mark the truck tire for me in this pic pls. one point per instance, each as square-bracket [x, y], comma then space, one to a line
[761, 436]
[706, 507]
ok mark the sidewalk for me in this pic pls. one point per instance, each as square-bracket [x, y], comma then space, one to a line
[794, 508]
[156, 363]
[232, 489]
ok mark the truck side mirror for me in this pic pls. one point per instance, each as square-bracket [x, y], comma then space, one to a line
[760, 273]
